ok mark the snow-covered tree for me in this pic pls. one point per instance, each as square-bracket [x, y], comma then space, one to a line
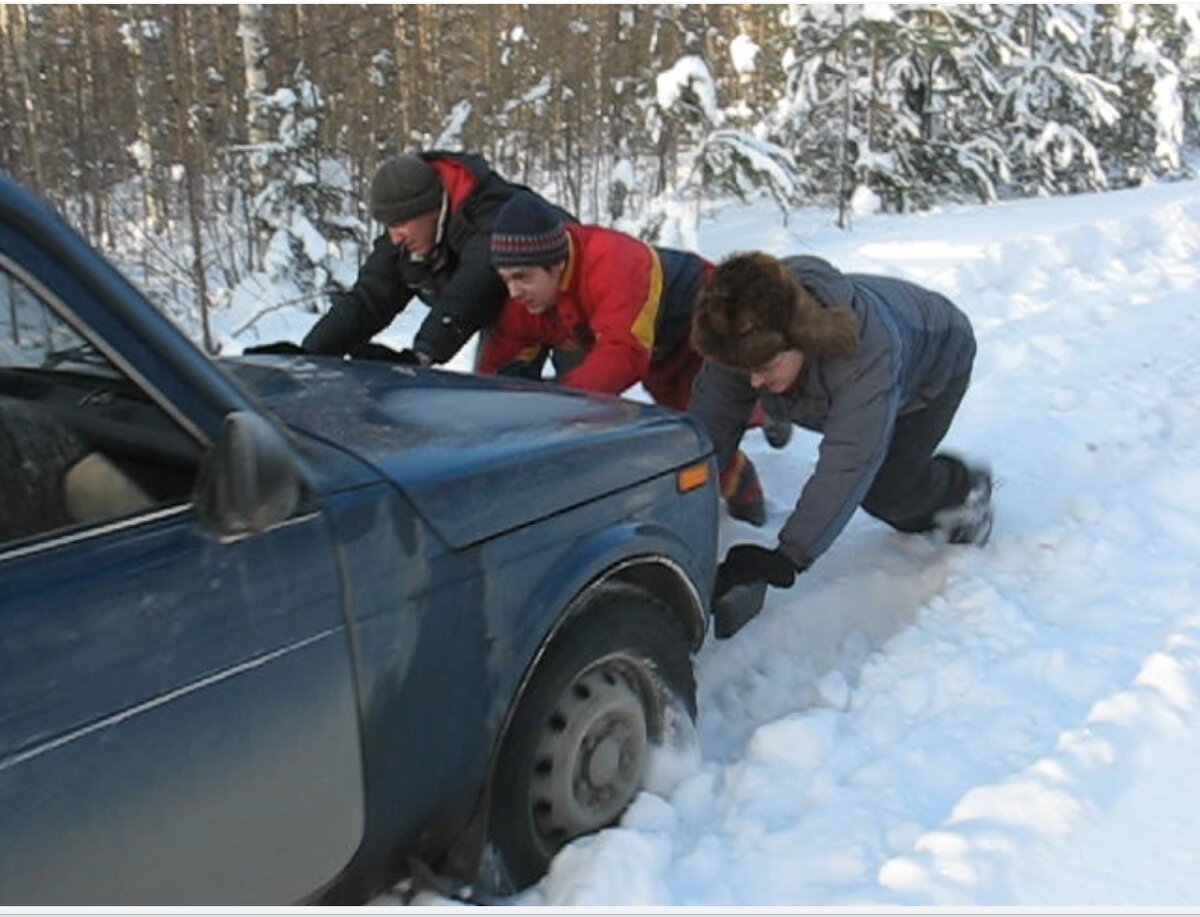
[1054, 109]
[942, 82]
[141, 37]
[891, 103]
[251, 23]
[307, 209]
[513, 123]
[1140, 48]
[722, 160]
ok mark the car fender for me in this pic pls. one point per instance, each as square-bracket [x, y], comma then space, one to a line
[597, 559]
[615, 554]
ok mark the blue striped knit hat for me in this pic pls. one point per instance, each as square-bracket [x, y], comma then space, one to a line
[528, 232]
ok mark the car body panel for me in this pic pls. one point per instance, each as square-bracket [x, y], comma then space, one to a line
[473, 442]
[163, 696]
[470, 627]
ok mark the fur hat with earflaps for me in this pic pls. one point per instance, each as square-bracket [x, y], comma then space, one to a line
[753, 309]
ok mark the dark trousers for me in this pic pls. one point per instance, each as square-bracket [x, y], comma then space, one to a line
[914, 484]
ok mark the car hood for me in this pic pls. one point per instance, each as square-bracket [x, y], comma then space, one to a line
[476, 455]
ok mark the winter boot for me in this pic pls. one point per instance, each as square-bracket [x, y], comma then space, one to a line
[742, 491]
[971, 521]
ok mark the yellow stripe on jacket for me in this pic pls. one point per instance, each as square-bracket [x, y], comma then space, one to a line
[647, 318]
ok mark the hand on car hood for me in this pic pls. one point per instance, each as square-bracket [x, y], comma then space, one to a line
[476, 455]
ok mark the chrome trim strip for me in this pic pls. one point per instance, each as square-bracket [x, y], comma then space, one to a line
[697, 605]
[132, 521]
[102, 529]
[159, 701]
[291, 520]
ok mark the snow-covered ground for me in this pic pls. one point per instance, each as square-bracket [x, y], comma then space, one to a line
[915, 724]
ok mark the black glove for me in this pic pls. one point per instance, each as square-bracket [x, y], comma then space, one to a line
[384, 354]
[752, 563]
[278, 347]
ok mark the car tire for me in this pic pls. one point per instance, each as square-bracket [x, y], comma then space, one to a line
[616, 681]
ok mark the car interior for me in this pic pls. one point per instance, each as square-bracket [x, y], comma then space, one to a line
[80, 443]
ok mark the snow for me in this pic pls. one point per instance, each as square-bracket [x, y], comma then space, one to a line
[878, 12]
[315, 245]
[537, 94]
[623, 173]
[864, 201]
[931, 726]
[451, 135]
[689, 73]
[758, 157]
[141, 153]
[743, 52]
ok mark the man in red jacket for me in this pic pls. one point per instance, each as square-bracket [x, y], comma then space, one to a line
[616, 311]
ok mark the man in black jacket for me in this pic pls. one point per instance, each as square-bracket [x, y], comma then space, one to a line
[437, 209]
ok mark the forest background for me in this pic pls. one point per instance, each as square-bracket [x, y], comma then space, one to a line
[222, 152]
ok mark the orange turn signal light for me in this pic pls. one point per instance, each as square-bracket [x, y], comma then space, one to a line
[691, 477]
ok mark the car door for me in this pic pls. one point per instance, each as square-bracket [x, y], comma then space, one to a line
[178, 720]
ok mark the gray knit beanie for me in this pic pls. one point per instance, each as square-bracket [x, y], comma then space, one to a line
[405, 186]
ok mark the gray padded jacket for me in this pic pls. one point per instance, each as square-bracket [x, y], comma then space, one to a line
[913, 342]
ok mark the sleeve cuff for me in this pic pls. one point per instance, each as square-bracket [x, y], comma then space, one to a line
[798, 558]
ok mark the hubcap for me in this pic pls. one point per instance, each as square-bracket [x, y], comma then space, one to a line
[591, 757]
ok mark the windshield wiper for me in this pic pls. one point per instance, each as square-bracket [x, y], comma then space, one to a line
[81, 353]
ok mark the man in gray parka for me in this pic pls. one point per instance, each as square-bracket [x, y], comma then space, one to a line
[877, 365]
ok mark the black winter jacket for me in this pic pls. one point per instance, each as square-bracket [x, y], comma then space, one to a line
[464, 293]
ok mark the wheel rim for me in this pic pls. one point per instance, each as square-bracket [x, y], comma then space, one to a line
[592, 753]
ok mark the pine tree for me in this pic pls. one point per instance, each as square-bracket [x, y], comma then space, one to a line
[1053, 108]
[306, 210]
[1137, 49]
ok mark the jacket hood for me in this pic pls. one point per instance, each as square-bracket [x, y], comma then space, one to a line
[460, 173]
[476, 455]
[473, 162]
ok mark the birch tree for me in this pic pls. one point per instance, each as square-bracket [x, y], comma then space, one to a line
[183, 96]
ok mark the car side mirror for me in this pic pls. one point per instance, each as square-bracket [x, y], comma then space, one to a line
[249, 480]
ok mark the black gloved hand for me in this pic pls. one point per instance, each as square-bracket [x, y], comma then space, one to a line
[384, 354]
[277, 347]
[751, 563]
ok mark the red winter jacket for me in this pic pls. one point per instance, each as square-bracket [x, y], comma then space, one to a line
[623, 303]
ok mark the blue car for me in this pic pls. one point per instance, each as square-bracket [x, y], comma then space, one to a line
[284, 630]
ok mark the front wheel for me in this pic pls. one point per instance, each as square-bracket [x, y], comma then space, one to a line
[609, 687]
